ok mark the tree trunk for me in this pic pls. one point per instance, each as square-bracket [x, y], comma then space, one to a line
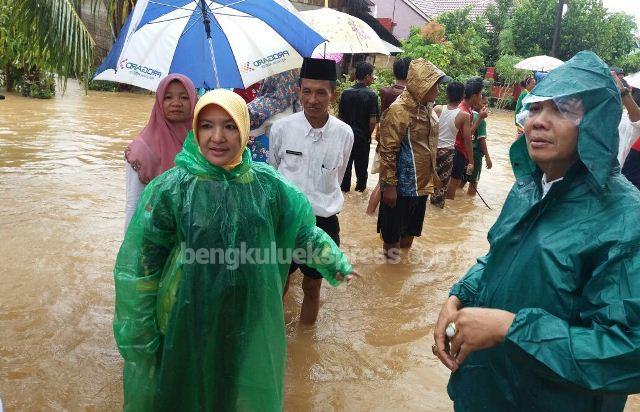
[8, 77]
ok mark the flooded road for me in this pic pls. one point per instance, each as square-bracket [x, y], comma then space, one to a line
[61, 222]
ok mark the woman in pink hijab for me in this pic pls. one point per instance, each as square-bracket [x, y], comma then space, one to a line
[152, 152]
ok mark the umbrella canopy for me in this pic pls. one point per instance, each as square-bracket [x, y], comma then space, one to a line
[540, 63]
[633, 80]
[345, 33]
[222, 43]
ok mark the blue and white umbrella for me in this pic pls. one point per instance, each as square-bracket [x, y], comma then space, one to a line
[222, 43]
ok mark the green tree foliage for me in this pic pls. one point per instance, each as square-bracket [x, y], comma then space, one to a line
[532, 26]
[629, 63]
[508, 74]
[497, 15]
[458, 21]
[42, 36]
[460, 53]
[587, 25]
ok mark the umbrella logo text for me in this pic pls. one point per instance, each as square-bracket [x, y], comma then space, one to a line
[140, 70]
[264, 62]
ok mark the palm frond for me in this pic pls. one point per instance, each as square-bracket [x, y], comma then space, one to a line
[56, 34]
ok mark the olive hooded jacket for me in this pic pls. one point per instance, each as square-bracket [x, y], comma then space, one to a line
[409, 134]
[199, 281]
[568, 266]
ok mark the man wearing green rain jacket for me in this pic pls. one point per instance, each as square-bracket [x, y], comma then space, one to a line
[549, 319]
[200, 274]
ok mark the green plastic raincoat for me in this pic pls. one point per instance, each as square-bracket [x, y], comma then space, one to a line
[568, 266]
[198, 333]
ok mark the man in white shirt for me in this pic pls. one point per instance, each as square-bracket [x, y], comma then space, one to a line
[312, 148]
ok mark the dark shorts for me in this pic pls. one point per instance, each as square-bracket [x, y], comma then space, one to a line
[331, 225]
[459, 164]
[404, 220]
[477, 169]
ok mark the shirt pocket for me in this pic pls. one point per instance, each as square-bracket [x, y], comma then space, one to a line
[293, 160]
[329, 171]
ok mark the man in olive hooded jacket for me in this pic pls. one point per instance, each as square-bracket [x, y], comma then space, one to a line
[408, 145]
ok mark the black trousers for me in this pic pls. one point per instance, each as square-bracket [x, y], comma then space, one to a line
[360, 159]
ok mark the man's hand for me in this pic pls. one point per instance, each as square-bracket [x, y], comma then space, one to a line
[437, 183]
[349, 277]
[469, 169]
[618, 82]
[487, 159]
[389, 195]
[483, 113]
[441, 347]
[478, 328]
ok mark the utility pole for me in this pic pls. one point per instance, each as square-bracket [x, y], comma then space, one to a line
[556, 32]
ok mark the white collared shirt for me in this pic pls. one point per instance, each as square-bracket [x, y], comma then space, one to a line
[546, 186]
[314, 160]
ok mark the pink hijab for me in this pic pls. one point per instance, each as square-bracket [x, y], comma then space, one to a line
[152, 152]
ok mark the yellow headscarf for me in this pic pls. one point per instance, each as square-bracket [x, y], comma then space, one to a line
[237, 109]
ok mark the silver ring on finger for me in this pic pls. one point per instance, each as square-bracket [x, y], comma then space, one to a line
[451, 330]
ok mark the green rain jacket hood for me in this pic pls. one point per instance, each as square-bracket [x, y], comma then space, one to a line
[568, 266]
[587, 77]
[199, 324]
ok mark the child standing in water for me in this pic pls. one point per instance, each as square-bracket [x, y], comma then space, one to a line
[479, 143]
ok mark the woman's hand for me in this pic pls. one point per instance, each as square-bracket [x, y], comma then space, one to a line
[349, 277]
[478, 328]
[441, 346]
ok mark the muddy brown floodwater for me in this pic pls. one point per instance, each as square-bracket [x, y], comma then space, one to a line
[61, 222]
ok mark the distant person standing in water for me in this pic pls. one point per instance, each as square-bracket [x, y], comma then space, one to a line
[359, 109]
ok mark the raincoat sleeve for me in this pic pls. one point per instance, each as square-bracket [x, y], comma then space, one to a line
[392, 131]
[141, 259]
[603, 353]
[313, 246]
[467, 288]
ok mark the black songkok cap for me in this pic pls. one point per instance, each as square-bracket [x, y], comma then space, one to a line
[318, 69]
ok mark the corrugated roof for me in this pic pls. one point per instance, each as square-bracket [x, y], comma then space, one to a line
[434, 8]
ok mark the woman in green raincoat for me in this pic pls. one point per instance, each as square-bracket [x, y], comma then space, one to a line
[200, 274]
[549, 319]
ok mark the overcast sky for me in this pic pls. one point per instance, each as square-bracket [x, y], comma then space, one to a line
[628, 6]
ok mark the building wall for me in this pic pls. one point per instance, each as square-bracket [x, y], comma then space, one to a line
[404, 16]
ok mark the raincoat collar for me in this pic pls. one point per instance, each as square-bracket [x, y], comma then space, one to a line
[588, 77]
[192, 159]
